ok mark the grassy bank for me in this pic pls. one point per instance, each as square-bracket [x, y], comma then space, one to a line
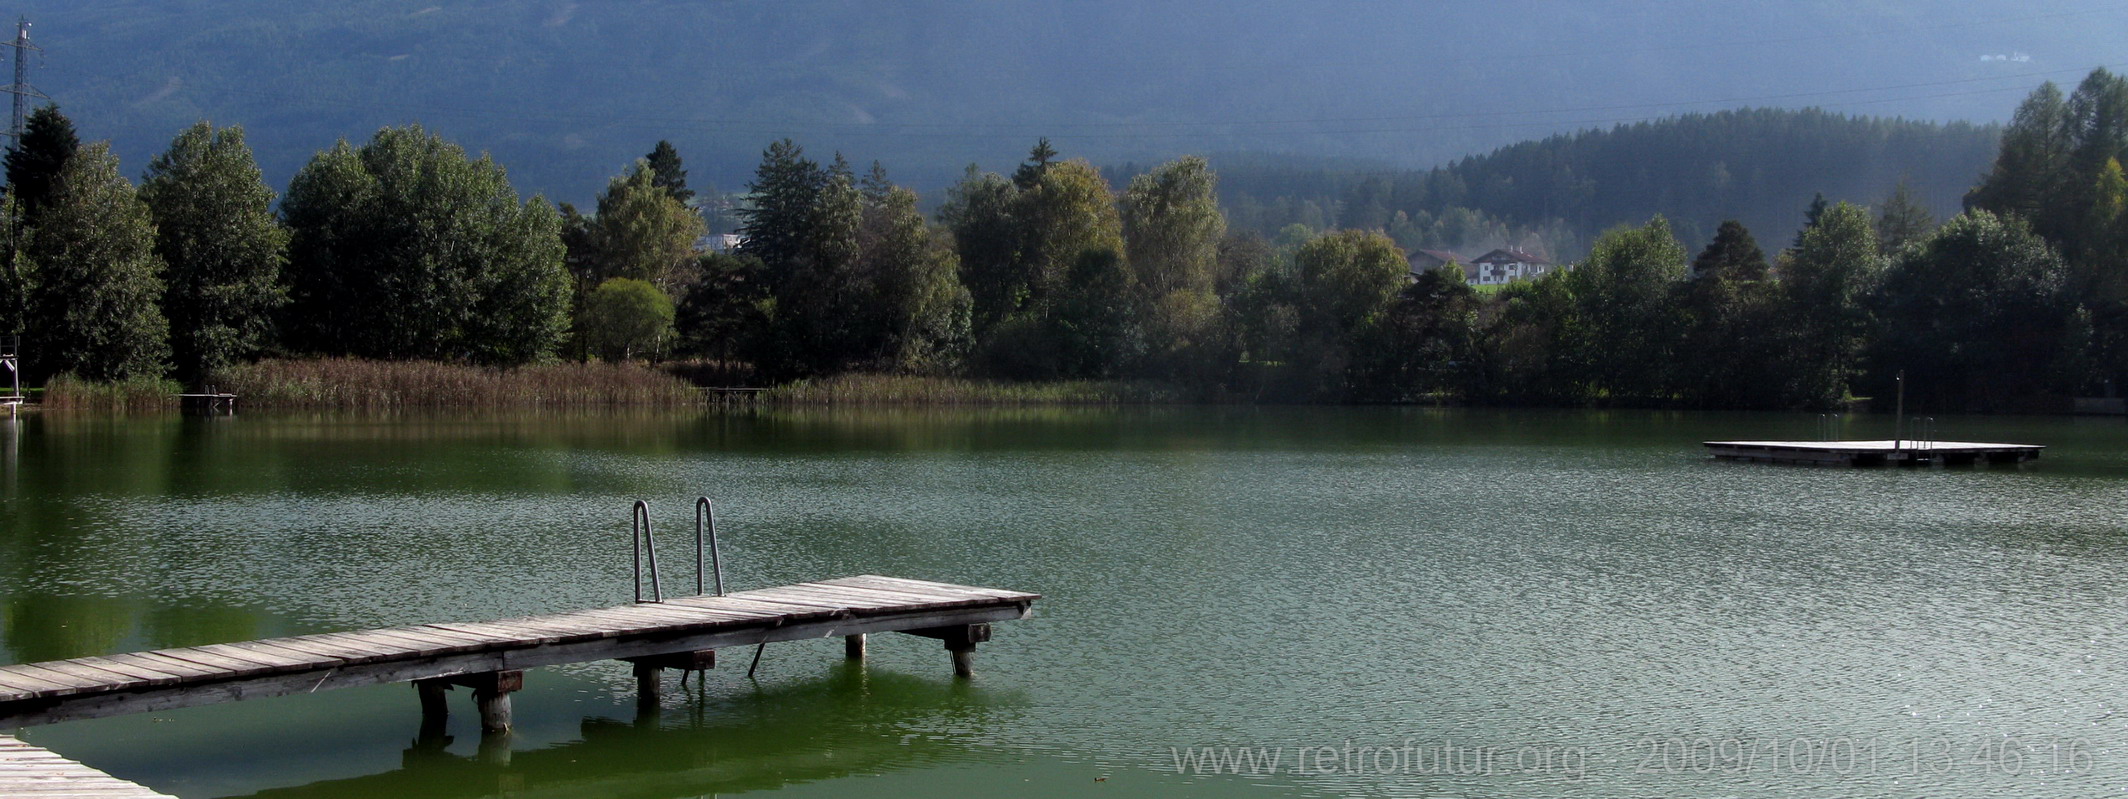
[355, 384]
[870, 389]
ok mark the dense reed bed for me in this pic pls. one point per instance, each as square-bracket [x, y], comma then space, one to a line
[872, 389]
[69, 393]
[357, 384]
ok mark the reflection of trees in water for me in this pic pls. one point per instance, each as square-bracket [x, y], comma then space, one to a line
[855, 721]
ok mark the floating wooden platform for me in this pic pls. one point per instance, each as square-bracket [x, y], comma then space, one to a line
[1874, 453]
[33, 772]
[490, 657]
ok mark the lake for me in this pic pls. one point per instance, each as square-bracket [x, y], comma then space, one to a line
[1307, 601]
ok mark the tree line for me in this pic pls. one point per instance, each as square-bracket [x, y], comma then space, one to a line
[407, 247]
[1555, 195]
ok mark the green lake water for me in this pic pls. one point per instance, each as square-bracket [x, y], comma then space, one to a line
[1390, 602]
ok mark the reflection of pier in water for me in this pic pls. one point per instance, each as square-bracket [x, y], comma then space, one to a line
[856, 721]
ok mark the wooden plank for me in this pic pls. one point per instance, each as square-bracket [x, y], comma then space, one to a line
[732, 605]
[430, 643]
[273, 646]
[26, 685]
[107, 678]
[220, 657]
[854, 604]
[881, 597]
[30, 771]
[905, 583]
[130, 666]
[816, 607]
[274, 658]
[183, 668]
[506, 636]
[366, 642]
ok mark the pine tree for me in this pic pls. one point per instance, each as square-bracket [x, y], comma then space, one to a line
[224, 250]
[1902, 220]
[1036, 165]
[34, 163]
[1810, 217]
[94, 307]
[665, 166]
[1732, 255]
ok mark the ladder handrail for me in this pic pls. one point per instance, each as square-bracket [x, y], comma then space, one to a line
[705, 511]
[640, 541]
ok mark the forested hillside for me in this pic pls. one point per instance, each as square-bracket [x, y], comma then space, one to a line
[1760, 166]
[568, 93]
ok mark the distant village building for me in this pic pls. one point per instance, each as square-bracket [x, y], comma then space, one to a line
[1423, 261]
[720, 242]
[1505, 265]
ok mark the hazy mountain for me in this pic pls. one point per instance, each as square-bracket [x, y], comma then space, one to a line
[567, 93]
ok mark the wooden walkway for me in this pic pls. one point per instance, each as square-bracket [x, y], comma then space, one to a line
[31, 772]
[489, 657]
[1881, 452]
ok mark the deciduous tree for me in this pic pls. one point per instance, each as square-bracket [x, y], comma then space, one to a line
[216, 231]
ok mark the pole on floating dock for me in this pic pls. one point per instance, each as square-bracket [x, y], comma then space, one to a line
[1899, 415]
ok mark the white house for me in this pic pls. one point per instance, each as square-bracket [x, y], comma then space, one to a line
[1505, 265]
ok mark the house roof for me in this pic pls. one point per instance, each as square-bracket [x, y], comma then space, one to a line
[1508, 256]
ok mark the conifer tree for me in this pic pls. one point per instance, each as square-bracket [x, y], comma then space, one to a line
[34, 164]
[667, 173]
[1732, 255]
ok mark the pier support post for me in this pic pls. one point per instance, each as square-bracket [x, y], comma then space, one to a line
[491, 694]
[853, 646]
[649, 684]
[960, 640]
[434, 711]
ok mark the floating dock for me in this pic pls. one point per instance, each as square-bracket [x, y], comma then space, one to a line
[29, 772]
[490, 657]
[1874, 453]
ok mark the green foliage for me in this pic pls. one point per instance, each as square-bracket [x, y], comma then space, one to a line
[406, 248]
[856, 279]
[1732, 351]
[664, 163]
[216, 231]
[1823, 285]
[1902, 220]
[35, 163]
[1550, 195]
[1732, 255]
[16, 272]
[724, 313]
[1624, 294]
[978, 210]
[642, 232]
[914, 310]
[1172, 228]
[94, 306]
[1427, 344]
[1347, 283]
[625, 318]
[1978, 318]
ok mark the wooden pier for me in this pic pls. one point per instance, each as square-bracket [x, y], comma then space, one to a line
[1874, 453]
[490, 657]
[30, 772]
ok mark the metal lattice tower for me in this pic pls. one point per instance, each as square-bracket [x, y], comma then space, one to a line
[21, 88]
